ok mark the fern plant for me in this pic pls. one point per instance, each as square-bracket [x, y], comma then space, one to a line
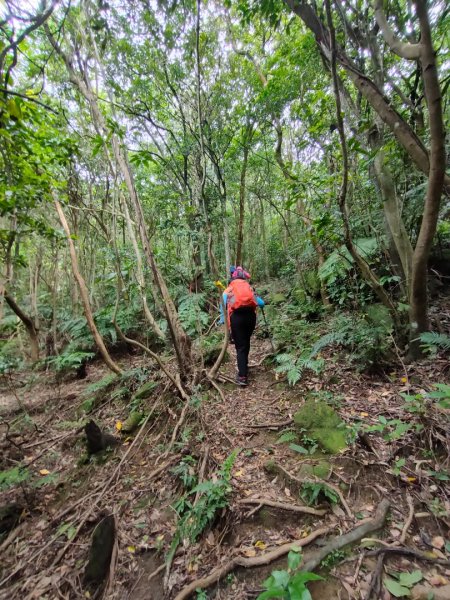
[194, 518]
[433, 342]
[295, 366]
[192, 314]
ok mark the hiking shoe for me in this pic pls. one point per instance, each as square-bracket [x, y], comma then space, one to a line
[241, 380]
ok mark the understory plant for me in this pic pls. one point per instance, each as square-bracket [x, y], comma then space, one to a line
[290, 583]
[195, 517]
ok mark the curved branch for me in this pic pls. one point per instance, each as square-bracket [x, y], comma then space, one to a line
[402, 49]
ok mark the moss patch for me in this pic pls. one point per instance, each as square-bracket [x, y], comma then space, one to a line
[132, 421]
[322, 424]
[145, 390]
[319, 469]
[278, 298]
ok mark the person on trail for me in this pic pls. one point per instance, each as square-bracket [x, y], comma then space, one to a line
[241, 302]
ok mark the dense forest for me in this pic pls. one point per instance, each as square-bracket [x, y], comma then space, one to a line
[146, 149]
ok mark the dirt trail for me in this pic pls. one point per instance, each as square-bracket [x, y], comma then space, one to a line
[250, 419]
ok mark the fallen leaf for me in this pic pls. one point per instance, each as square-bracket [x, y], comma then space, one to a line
[249, 552]
[260, 545]
[44, 472]
[438, 542]
[404, 379]
[119, 425]
[287, 491]
[438, 580]
[364, 414]
[238, 473]
[131, 549]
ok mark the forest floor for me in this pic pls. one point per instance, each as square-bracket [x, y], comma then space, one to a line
[64, 496]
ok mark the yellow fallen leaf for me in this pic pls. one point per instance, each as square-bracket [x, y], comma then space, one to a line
[364, 414]
[411, 479]
[87, 594]
[44, 472]
[131, 549]
[239, 473]
[404, 379]
[119, 425]
[260, 545]
[437, 580]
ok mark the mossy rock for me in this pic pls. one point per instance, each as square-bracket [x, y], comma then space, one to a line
[322, 424]
[321, 469]
[278, 298]
[132, 422]
[145, 391]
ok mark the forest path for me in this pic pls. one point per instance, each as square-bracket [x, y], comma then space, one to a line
[250, 419]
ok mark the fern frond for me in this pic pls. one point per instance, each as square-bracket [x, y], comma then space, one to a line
[433, 341]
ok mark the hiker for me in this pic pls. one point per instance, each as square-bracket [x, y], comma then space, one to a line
[241, 302]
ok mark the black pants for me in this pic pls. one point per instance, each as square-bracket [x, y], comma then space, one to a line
[243, 321]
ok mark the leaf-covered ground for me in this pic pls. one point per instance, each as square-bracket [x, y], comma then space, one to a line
[392, 453]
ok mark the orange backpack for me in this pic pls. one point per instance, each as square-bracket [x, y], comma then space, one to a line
[240, 295]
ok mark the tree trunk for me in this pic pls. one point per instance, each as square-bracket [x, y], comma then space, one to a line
[140, 274]
[248, 133]
[363, 266]
[419, 297]
[28, 323]
[393, 217]
[84, 293]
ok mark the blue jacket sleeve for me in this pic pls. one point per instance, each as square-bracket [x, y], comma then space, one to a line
[222, 304]
[260, 301]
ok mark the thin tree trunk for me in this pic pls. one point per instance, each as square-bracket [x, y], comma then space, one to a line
[419, 295]
[84, 293]
[364, 268]
[393, 217]
[140, 274]
[28, 323]
[248, 133]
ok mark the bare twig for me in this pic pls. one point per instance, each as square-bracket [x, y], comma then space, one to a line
[409, 520]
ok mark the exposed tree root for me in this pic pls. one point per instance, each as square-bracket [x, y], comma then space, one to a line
[284, 506]
[271, 425]
[350, 537]
[240, 561]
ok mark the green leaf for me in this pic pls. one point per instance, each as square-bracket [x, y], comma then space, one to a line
[280, 578]
[409, 579]
[288, 436]
[299, 449]
[294, 558]
[14, 109]
[272, 593]
[394, 587]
